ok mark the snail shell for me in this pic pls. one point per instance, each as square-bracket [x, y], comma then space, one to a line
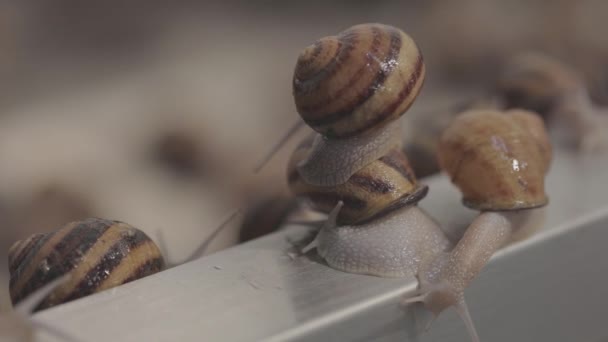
[357, 81]
[495, 160]
[99, 254]
[536, 82]
[380, 187]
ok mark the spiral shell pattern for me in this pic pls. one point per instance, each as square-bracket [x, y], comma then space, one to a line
[99, 254]
[495, 160]
[376, 189]
[357, 81]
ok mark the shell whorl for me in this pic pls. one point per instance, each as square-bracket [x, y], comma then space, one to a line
[357, 81]
[99, 254]
[380, 187]
[495, 160]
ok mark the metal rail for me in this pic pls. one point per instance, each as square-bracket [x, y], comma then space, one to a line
[552, 287]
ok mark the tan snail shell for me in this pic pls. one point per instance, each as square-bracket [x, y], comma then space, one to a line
[98, 254]
[357, 81]
[495, 160]
[380, 187]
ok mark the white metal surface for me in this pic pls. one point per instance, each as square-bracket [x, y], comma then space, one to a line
[552, 287]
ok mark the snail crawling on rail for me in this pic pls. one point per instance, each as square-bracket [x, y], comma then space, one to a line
[370, 74]
[97, 254]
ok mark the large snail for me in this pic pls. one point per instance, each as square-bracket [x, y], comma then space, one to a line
[498, 161]
[351, 89]
[375, 227]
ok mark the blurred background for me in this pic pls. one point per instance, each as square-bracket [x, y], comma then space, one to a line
[155, 112]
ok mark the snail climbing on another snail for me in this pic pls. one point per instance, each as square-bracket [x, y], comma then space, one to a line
[374, 225]
[97, 254]
[351, 89]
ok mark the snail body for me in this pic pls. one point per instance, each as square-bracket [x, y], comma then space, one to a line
[98, 254]
[393, 245]
[349, 88]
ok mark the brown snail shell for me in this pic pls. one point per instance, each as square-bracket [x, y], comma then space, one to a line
[376, 189]
[536, 82]
[495, 161]
[357, 81]
[99, 254]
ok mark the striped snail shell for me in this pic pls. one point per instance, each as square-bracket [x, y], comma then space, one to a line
[357, 81]
[495, 160]
[376, 189]
[98, 254]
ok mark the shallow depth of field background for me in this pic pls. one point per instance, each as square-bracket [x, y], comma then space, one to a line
[154, 113]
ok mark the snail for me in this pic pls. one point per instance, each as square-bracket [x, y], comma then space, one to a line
[17, 326]
[98, 254]
[351, 89]
[375, 227]
[499, 163]
[553, 89]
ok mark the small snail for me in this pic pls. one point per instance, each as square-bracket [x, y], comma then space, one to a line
[375, 227]
[17, 326]
[98, 254]
[382, 186]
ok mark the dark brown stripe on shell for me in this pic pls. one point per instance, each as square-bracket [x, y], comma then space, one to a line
[31, 254]
[345, 47]
[369, 90]
[388, 111]
[104, 267]
[14, 260]
[371, 184]
[396, 161]
[315, 53]
[64, 255]
[408, 199]
[149, 267]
